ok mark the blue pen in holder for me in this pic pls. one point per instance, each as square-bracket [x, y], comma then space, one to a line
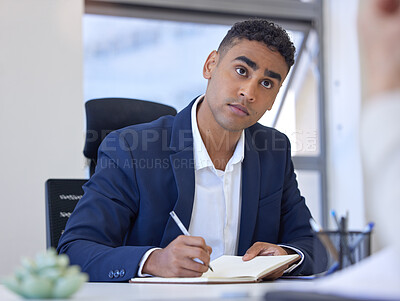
[343, 248]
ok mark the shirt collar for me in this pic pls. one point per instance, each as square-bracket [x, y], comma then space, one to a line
[200, 154]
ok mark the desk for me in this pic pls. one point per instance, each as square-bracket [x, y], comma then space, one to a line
[130, 291]
[370, 279]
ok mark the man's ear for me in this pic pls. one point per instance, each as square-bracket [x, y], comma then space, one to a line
[210, 64]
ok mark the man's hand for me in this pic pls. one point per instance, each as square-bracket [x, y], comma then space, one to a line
[176, 260]
[267, 249]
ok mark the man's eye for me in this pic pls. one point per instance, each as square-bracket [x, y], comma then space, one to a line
[267, 84]
[241, 71]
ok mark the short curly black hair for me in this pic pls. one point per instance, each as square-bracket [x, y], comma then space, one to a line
[269, 33]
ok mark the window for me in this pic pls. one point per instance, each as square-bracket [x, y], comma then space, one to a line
[147, 59]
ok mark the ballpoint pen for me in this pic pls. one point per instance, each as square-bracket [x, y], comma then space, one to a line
[344, 244]
[182, 228]
[368, 228]
[342, 230]
[335, 218]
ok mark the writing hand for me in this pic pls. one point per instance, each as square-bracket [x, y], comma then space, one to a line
[177, 259]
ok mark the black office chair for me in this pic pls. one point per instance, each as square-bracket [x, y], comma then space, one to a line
[104, 115]
[62, 195]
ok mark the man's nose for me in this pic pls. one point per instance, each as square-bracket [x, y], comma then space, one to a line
[247, 91]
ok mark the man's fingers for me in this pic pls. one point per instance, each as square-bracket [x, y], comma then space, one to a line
[189, 248]
[194, 247]
[273, 251]
[194, 241]
[190, 265]
[194, 266]
[185, 267]
[269, 252]
[193, 252]
[178, 258]
[263, 249]
[182, 269]
[254, 250]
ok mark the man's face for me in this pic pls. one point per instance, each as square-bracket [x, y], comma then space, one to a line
[243, 83]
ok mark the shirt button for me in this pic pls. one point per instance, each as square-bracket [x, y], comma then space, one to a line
[116, 274]
[122, 273]
[110, 274]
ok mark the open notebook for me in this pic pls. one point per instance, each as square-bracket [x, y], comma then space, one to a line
[231, 269]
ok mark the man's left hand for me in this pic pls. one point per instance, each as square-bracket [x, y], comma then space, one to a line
[267, 249]
[264, 249]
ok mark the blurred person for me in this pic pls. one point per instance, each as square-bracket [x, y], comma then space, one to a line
[379, 37]
[378, 276]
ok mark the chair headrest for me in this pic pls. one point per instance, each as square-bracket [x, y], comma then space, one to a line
[104, 115]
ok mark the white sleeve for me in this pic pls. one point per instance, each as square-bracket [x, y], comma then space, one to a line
[293, 266]
[142, 262]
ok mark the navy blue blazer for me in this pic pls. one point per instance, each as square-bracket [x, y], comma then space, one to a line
[145, 171]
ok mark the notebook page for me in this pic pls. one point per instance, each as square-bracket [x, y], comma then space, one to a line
[233, 266]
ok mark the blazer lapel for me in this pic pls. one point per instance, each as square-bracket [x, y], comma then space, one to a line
[182, 163]
[250, 195]
[183, 167]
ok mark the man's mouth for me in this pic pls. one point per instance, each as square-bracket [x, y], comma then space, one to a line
[239, 109]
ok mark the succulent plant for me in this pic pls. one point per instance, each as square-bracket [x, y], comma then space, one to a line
[49, 275]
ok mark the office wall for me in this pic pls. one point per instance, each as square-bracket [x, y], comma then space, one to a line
[41, 115]
[342, 83]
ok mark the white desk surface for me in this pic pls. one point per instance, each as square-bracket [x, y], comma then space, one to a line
[130, 291]
[370, 279]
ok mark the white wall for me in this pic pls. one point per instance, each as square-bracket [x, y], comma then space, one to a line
[342, 82]
[41, 115]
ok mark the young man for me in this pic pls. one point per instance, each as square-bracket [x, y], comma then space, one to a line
[229, 179]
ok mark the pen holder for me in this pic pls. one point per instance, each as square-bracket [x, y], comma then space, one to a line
[342, 248]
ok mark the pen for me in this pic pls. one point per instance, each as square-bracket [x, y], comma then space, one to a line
[342, 230]
[361, 237]
[335, 218]
[182, 228]
[344, 245]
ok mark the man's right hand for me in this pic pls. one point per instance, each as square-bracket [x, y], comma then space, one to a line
[176, 260]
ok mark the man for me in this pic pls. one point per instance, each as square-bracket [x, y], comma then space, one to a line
[229, 179]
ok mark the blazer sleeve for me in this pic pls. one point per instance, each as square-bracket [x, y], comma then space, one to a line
[95, 233]
[295, 228]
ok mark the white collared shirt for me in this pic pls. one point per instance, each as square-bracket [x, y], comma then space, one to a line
[218, 195]
[217, 199]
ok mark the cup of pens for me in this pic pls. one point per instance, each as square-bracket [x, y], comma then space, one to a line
[342, 247]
